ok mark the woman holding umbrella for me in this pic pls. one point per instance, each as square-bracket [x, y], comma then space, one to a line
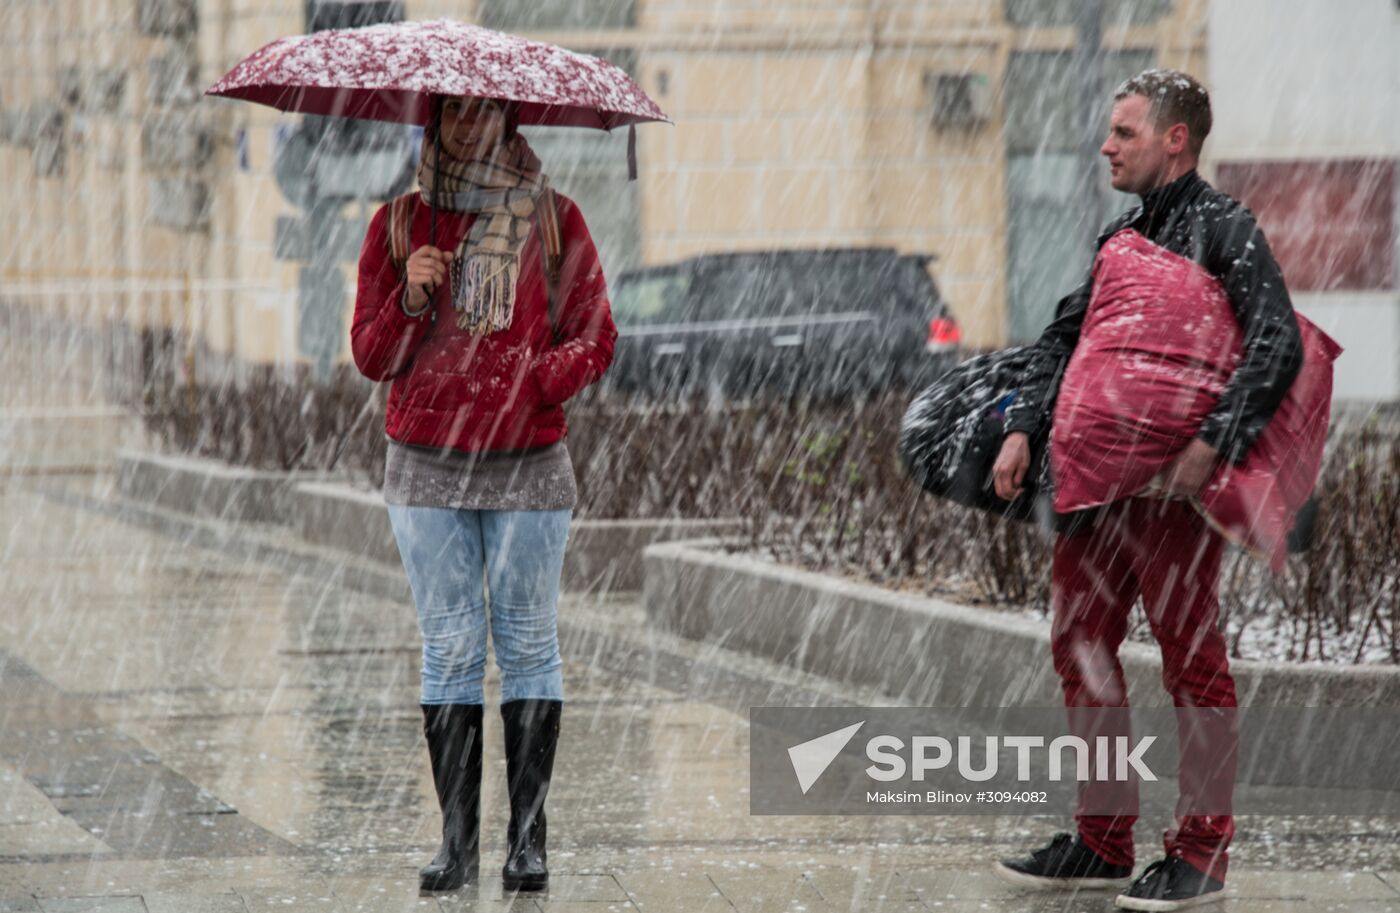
[482, 299]
[479, 484]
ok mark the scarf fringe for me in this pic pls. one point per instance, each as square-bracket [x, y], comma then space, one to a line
[484, 295]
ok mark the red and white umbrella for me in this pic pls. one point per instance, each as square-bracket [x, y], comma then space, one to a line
[399, 72]
[392, 72]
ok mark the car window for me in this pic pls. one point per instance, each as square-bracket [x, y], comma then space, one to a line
[783, 287]
[918, 285]
[742, 288]
[650, 299]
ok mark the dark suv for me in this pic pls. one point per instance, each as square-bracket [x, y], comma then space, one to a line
[824, 323]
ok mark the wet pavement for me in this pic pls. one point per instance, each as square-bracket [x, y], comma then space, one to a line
[196, 717]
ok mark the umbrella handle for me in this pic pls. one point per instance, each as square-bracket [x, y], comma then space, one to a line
[437, 168]
[631, 152]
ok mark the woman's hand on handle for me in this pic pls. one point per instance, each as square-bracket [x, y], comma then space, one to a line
[426, 270]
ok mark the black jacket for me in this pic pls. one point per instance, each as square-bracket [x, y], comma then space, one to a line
[1194, 220]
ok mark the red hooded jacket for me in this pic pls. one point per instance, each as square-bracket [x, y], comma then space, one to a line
[504, 391]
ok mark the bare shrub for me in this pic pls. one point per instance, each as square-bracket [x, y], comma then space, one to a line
[1344, 592]
[819, 485]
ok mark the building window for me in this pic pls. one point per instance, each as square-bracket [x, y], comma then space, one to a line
[589, 166]
[1067, 12]
[1331, 224]
[1054, 206]
[557, 15]
[351, 14]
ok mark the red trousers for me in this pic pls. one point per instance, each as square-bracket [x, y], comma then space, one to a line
[1163, 552]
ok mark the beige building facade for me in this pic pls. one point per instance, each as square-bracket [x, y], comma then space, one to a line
[798, 123]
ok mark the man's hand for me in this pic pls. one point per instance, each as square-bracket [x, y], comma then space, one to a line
[426, 269]
[1188, 475]
[1014, 461]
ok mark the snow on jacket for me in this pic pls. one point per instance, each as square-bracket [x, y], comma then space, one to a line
[1193, 220]
[502, 391]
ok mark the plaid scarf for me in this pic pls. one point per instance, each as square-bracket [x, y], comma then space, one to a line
[503, 190]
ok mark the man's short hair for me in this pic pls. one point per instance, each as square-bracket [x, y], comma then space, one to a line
[1176, 97]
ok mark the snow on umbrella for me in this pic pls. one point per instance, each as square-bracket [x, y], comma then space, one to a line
[395, 71]
[391, 72]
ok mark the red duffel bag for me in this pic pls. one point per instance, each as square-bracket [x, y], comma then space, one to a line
[1158, 344]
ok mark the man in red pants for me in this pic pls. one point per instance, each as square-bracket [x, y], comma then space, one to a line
[1157, 548]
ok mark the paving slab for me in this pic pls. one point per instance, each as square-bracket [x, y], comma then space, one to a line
[486, 899]
[762, 888]
[17, 904]
[1300, 885]
[21, 802]
[952, 884]
[48, 838]
[308, 897]
[1315, 905]
[1102, 902]
[76, 877]
[194, 903]
[847, 887]
[663, 889]
[383, 895]
[585, 888]
[1049, 902]
[107, 904]
[548, 905]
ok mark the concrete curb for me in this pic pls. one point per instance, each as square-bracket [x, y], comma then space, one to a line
[927, 651]
[603, 555]
[207, 487]
[66, 438]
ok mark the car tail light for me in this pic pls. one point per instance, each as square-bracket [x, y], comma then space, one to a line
[943, 334]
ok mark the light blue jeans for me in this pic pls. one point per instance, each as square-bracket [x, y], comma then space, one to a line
[518, 555]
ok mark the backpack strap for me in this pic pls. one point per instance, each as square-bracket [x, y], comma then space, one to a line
[400, 221]
[552, 250]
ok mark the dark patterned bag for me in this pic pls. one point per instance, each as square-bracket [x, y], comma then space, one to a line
[952, 433]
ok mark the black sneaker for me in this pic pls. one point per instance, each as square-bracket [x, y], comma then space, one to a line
[1170, 884]
[1065, 863]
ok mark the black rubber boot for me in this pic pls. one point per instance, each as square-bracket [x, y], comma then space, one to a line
[532, 732]
[454, 745]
